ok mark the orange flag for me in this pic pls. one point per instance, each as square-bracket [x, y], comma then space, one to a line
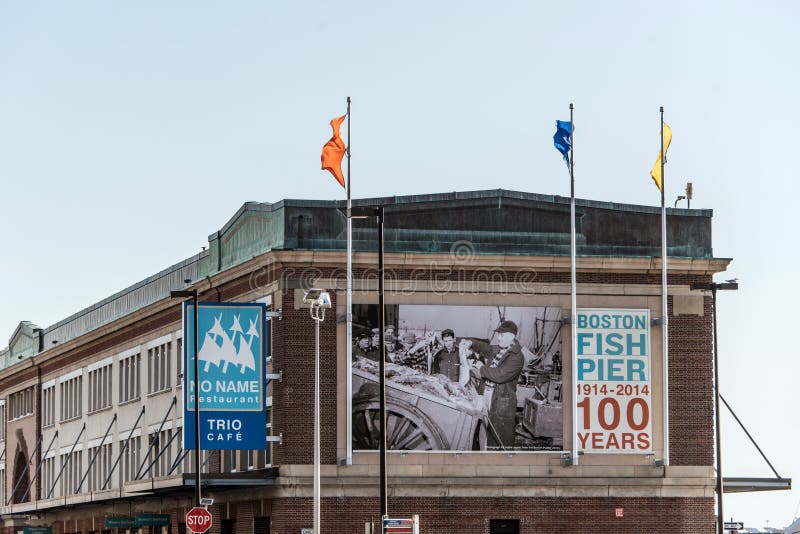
[333, 152]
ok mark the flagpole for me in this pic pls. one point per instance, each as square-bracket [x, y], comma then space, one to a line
[349, 311]
[573, 282]
[664, 303]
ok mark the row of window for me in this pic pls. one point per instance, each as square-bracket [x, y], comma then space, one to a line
[102, 467]
[159, 454]
[100, 394]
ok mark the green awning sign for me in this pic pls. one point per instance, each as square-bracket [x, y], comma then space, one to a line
[151, 520]
[119, 522]
[37, 530]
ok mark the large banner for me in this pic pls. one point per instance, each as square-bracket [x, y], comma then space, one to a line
[459, 378]
[231, 357]
[613, 381]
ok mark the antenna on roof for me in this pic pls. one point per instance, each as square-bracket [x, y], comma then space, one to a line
[689, 191]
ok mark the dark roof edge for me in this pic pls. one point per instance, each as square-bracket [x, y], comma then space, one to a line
[485, 194]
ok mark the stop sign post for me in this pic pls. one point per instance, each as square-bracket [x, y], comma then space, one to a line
[198, 520]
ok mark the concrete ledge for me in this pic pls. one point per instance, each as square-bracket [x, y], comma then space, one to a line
[582, 491]
[529, 491]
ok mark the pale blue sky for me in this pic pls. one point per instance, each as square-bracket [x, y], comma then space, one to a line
[130, 131]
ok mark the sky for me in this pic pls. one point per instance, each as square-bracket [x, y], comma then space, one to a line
[131, 131]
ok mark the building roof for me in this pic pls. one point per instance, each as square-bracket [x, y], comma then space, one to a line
[487, 222]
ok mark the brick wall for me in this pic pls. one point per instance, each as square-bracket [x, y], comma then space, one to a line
[294, 346]
[536, 515]
[691, 388]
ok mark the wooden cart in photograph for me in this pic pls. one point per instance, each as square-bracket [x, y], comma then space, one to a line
[415, 419]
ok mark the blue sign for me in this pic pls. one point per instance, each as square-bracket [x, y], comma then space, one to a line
[231, 356]
[37, 530]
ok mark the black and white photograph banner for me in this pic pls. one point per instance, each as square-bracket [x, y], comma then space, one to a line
[459, 378]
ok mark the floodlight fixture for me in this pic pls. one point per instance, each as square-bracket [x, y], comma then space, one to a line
[317, 298]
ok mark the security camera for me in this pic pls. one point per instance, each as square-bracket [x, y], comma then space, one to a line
[318, 298]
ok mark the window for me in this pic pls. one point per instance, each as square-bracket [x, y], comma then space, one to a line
[48, 475]
[2, 431]
[161, 454]
[71, 394]
[21, 403]
[186, 456]
[179, 360]
[268, 337]
[101, 467]
[72, 471]
[3, 486]
[100, 388]
[243, 460]
[257, 459]
[187, 461]
[49, 405]
[228, 461]
[504, 526]
[159, 370]
[129, 382]
[129, 463]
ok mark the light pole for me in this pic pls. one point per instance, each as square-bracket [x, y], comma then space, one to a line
[363, 213]
[713, 287]
[193, 294]
[319, 300]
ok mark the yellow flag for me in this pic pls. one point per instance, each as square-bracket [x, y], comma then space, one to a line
[655, 172]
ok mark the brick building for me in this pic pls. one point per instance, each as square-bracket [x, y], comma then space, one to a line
[92, 406]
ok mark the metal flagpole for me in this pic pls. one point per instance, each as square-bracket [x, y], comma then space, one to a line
[664, 304]
[349, 304]
[574, 284]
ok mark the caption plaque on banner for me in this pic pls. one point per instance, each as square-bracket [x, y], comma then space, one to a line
[613, 389]
[232, 354]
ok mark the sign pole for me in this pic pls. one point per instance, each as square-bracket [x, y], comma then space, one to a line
[197, 445]
[382, 367]
[196, 368]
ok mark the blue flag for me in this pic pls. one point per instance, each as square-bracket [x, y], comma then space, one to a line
[563, 139]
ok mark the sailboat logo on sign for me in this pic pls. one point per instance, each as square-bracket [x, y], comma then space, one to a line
[230, 359]
[229, 351]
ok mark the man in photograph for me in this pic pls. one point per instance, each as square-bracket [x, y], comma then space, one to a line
[498, 381]
[407, 340]
[449, 360]
[408, 353]
[376, 338]
[391, 354]
[363, 346]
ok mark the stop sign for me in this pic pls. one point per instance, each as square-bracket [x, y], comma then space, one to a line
[198, 520]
